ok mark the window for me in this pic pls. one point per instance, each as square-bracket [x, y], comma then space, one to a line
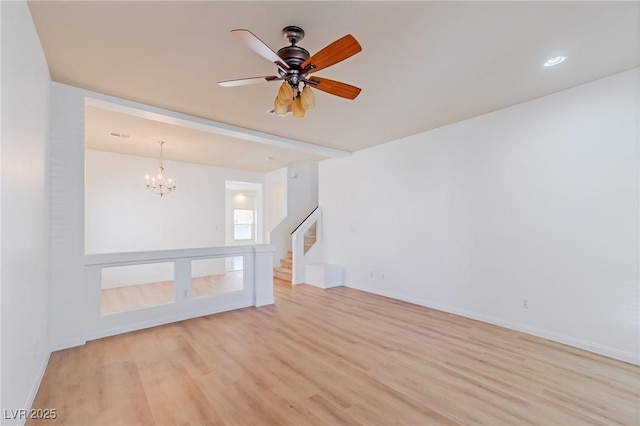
[242, 224]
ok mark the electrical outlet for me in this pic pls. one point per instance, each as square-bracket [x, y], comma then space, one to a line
[184, 294]
[371, 274]
[525, 304]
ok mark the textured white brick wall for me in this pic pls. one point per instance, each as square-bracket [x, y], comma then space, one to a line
[67, 215]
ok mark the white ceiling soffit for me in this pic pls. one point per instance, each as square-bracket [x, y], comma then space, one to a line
[178, 119]
[140, 136]
[423, 64]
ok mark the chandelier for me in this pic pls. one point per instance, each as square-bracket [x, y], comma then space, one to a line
[158, 184]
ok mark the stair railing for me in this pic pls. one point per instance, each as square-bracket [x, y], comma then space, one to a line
[305, 219]
[306, 240]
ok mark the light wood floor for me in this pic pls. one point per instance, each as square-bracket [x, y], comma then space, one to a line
[119, 299]
[335, 356]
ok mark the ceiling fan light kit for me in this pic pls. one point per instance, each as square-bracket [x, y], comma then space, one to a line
[285, 94]
[279, 107]
[308, 98]
[294, 65]
[298, 109]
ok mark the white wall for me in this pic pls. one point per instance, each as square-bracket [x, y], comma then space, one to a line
[300, 196]
[1, 57]
[122, 276]
[538, 201]
[121, 215]
[207, 267]
[276, 198]
[24, 259]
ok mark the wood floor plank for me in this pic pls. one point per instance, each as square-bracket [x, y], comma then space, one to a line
[337, 356]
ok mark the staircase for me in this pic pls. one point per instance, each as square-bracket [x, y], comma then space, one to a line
[282, 274]
[309, 238]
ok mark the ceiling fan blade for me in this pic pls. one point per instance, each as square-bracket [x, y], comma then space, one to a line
[337, 88]
[337, 51]
[258, 46]
[245, 81]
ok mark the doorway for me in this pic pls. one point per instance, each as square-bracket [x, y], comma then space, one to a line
[243, 217]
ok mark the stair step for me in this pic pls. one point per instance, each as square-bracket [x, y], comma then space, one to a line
[282, 273]
[280, 281]
[286, 263]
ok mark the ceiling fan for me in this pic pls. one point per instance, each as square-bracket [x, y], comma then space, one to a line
[295, 65]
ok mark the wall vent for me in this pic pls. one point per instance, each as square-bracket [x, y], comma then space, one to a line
[119, 135]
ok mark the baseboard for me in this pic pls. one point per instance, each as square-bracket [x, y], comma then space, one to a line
[58, 346]
[36, 386]
[264, 302]
[326, 286]
[512, 325]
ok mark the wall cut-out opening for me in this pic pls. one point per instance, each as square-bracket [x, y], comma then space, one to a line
[126, 288]
[216, 276]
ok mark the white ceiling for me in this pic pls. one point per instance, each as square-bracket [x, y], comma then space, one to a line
[423, 64]
[182, 143]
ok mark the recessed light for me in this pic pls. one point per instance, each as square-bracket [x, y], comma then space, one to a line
[556, 60]
[269, 158]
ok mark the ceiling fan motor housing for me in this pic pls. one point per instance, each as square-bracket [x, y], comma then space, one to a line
[293, 55]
